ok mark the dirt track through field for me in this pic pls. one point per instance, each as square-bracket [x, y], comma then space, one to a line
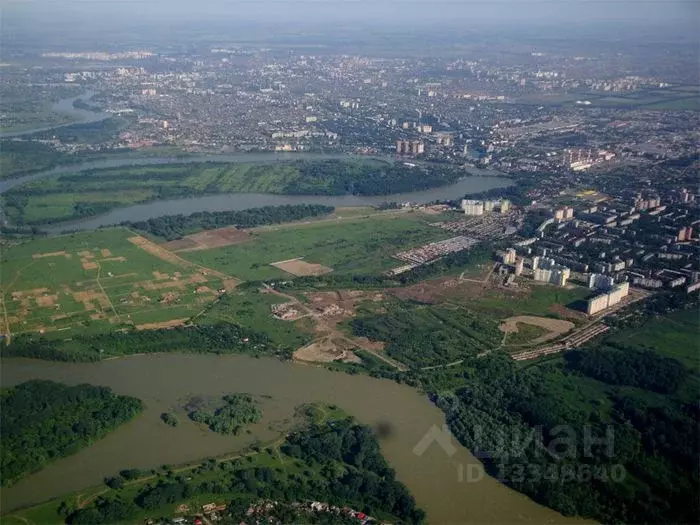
[165, 255]
[556, 327]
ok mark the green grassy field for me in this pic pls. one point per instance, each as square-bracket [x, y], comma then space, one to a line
[94, 282]
[253, 310]
[675, 335]
[364, 245]
[525, 334]
[538, 302]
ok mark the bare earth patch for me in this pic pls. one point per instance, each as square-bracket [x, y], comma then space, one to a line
[208, 239]
[556, 327]
[230, 284]
[335, 307]
[150, 285]
[180, 244]
[300, 268]
[439, 290]
[87, 298]
[51, 254]
[28, 293]
[164, 324]
[46, 301]
[327, 351]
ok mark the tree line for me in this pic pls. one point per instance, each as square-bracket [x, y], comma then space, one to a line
[171, 227]
[219, 338]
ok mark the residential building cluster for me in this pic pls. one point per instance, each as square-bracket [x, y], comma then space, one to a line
[610, 298]
[435, 250]
[548, 271]
[478, 207]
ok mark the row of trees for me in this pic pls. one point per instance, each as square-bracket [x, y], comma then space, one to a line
[176, 226]
[217, 338]
[43, 421]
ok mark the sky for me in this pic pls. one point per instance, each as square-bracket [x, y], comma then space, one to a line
[98, 15]
[506, 10]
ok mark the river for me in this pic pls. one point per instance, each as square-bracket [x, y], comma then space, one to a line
[241, 201]
[65, 107]
[166, 381]
[479, 180]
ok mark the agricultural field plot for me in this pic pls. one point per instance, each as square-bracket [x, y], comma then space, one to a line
[208, 239]
[361, 246]
[99, 281]
[301, 268]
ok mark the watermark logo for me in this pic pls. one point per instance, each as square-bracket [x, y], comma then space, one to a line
[441, 436]
[557, 458]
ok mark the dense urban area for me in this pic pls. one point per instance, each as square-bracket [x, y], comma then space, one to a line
[503, 238]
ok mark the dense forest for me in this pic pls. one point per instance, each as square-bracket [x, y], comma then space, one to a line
[643, 469]
[237, 411]
[333, 177]
[23, 157]
[338, 462]
[171, 227]
[628, 366]
[43, 421]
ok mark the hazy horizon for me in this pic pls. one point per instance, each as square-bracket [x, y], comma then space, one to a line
[78, 23]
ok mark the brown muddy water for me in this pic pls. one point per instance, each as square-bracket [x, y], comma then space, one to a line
[168, 381]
